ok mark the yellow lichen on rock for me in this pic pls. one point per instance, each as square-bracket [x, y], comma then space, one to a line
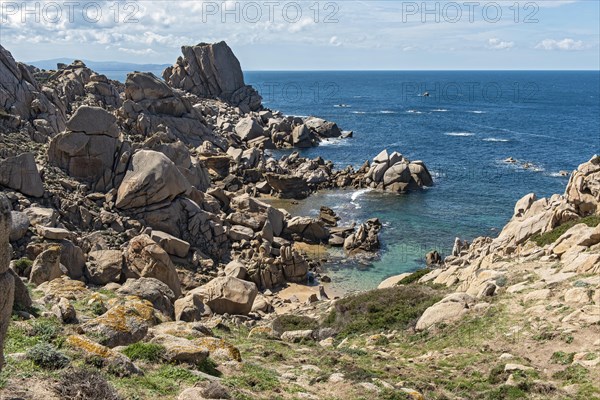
[219, 349]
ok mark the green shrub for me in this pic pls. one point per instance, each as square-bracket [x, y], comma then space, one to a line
[21, 265]
[544, 239]
[144, 351]
[208, 366]
[415, 276]
[254, 378]
[85, 385]
[47, 356]
[290, 322]
[573, 374]
[46, 329]
[506, 393]
[497, 375]
[386, 309]
[560, 357]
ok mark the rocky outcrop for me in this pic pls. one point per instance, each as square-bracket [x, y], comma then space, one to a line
[151, 106]
[76, 85]
[90, 149]
[7, 283]
[153, 290]
[145, 258]
[229, 295]
[21, 174]
[583, 189]
[24, 104]
[125, 323]
[46, 266]
[151, 178]
[394, 172]
[366, 237]
[212, 70]
[449, 309]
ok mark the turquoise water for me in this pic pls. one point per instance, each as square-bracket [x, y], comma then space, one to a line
[464, 130]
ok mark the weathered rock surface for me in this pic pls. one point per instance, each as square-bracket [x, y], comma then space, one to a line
[24, 103]
[449, 309]
[46, 267]
[212, 70]
[153, 290]
[583, 189]
[90, 147]
[229, 295]
[151, 178]
[123, 324]
[145, 258]
[104, 266]
[21, 173]
[7, 280]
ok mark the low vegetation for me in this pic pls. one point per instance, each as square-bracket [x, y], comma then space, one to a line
[387, 309]
[144, 351]
[85, 385]
[45, 355]
[551, 236]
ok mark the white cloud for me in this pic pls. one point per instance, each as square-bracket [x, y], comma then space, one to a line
[334, 41]
[498, 44]
[566, 44]
[139, 52]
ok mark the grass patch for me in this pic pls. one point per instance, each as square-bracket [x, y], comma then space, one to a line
[573, 374]
[560, 357]
[290, 322]
[393, 308]
[168, 380]
[544, 239]
[254, 378]
[415, 276]
[506, 393]
[144, 351]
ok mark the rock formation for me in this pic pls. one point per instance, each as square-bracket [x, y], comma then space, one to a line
[7, 283]
[212, 70]
[24, 104]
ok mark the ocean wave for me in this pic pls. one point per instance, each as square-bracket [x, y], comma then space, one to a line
[492, 139]
[342, 105]
[387, 112]
[440, 110]
[356, 195]
[333, 142]
[561, 174]
[459, 134]
[414, 112]
[358, 112]
[477, 112]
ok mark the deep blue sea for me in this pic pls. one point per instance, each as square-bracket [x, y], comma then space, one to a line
[465, 128]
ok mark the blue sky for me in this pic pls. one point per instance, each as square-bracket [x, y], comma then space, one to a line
[291, 35]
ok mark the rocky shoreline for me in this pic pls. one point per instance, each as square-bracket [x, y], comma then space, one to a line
[138, 246]
[152, 188]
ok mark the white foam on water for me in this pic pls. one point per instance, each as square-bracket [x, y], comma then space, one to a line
[387, 112]
[492, 139]
[459, 134]
[358, 112]
[440, 110]
[478, 112]
[558, 175]
[333, 142]
[414, 112]
[356, 195]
